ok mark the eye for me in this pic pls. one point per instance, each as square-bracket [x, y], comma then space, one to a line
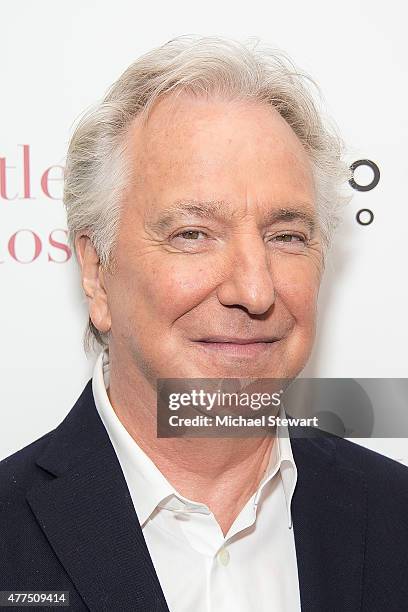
[190, 240]
[287, 237]
[189, 234]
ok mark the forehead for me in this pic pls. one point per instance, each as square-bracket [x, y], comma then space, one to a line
[223, 148]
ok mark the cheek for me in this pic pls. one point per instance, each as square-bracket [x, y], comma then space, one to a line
[169, 291]
[298, 288]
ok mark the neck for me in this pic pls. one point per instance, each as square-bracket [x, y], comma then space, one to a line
[222, 473]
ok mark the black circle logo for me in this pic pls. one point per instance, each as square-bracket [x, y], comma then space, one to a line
[374, 168]
[366, 221]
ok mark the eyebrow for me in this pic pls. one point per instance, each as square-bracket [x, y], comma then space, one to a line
[222, 210]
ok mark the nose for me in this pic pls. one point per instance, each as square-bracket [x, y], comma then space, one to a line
[248, 281]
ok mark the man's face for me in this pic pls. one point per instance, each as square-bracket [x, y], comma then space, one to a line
[214, 275]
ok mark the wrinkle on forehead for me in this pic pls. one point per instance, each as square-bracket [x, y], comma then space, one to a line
[206, 142]
[185, 116]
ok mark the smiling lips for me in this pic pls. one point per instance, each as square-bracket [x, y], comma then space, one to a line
[236, 346]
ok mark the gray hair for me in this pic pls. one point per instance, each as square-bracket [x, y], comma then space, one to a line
[97, 169]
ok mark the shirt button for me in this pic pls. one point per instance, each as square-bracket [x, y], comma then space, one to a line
[223, 556]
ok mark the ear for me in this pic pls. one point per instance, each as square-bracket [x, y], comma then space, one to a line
[93, 283]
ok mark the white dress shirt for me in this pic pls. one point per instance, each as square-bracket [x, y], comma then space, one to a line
[251, 569]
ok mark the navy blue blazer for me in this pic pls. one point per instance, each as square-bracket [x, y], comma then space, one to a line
[67, 523]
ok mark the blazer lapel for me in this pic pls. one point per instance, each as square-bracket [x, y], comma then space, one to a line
[329, 520]
[88, 517]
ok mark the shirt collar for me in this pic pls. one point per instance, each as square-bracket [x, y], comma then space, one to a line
[142, 475]
[281, 460]
[147, 485]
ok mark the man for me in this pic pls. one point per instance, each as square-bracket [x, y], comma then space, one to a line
[202, 195]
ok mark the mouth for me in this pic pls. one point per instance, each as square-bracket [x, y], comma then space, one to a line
[237, 346]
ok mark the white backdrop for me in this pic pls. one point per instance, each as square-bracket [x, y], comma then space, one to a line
[59, 58]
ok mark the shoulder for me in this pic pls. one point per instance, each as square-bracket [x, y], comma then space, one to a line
[18, 472]
[349, 454]
[386, 480]
[372, 463]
